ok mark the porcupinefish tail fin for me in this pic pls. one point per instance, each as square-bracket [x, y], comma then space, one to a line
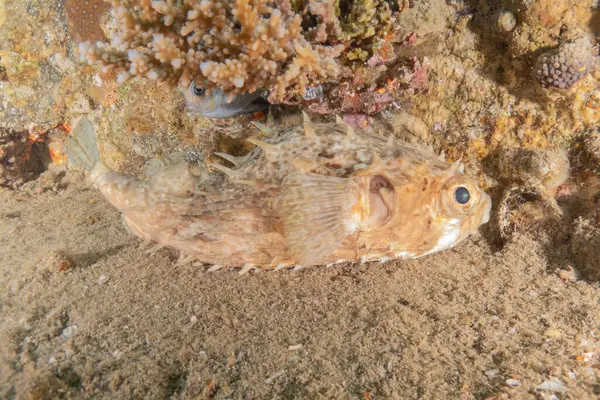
[81, 146]
[317, 214]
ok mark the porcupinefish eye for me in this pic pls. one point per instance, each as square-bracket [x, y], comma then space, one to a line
[197, 90]
[462, 195]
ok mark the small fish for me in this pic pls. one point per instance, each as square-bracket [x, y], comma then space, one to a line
[314, 194]
[217, 105]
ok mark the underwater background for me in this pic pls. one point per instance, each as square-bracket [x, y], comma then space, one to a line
[509, 87]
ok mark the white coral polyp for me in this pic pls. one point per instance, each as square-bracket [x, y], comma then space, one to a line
[238, 82]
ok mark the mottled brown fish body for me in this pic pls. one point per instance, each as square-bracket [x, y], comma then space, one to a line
[310, 195]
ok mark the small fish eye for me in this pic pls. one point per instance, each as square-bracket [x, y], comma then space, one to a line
[197, 90]
[462, 195]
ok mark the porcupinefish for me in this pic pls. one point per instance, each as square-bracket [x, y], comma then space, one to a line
[218, 105]
[314, 194]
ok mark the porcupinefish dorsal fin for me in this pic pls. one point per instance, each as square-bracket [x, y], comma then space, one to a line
[173, 181]
[159, 163]
[457, 166]
[317, 214]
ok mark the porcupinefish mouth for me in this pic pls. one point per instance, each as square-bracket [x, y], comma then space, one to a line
[190, 106]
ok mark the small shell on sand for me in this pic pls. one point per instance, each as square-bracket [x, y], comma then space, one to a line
[492, 373]
[59, 261]
[274, 376]
[513, 382]
[69, 332]
[553, 334]
[552, 385]
[569, 274]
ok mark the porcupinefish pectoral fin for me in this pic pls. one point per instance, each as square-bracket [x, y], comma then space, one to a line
[257, 105]
[81, 145]
[173, 181]
[317, 214]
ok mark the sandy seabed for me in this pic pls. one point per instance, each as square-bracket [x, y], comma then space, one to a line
[474, 322]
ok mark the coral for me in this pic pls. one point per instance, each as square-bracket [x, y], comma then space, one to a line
[238, 46]
[34, 65]
[377, 75]
[371, 89]
[563, 67]
[342, 21]
[138, 120]
[83, 19]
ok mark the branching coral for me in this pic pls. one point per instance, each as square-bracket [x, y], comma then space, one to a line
[238, 46]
